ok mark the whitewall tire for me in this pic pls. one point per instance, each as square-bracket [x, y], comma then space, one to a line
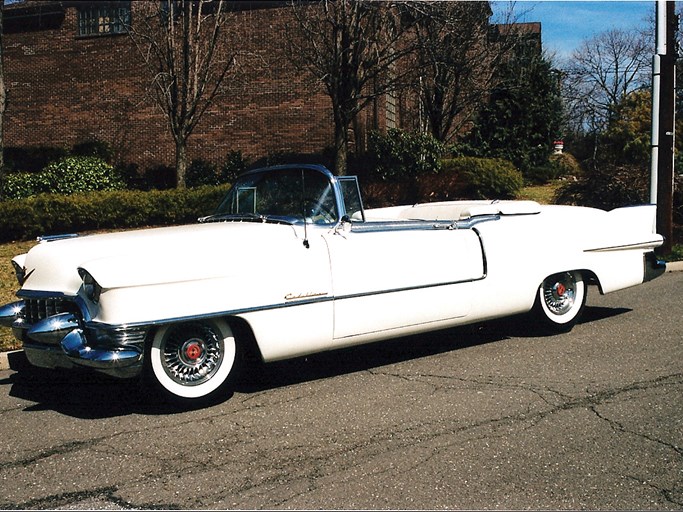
[194, 361]
[560, 301]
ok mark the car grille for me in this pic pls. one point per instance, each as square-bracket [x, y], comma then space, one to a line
[39, 309]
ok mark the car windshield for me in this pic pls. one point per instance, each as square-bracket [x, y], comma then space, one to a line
[289, 195]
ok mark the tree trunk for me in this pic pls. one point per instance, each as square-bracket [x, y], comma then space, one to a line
[180, 162]
[341, 145]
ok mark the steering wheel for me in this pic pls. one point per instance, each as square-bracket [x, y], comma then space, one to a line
[319, 212]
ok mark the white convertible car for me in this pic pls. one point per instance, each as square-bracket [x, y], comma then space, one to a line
[291, 264]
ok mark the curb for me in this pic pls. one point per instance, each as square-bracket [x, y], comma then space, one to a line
[16, 359]
[674, 266]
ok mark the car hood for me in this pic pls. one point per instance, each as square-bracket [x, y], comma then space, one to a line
[152, 256]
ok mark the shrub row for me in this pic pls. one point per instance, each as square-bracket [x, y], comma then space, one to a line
[49, 214]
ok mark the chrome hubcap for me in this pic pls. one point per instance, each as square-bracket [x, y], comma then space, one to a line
[192, 353]
[559, 293]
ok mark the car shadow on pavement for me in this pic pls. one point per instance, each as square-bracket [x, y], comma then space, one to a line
[91, 396]
[260, 377]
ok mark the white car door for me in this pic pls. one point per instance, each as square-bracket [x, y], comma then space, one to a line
[392, 279]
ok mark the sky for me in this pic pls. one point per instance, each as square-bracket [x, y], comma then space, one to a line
[565, 24]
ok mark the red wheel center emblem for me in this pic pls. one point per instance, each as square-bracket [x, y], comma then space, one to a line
[560, 289]
[193, 351]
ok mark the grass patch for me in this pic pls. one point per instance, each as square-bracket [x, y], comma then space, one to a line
[543, 194]
[9, 285]
[676, 253]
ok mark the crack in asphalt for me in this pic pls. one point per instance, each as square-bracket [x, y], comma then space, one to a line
[66, 499]
[667, 494]
[618, 427]
[63, 449]
[312, 467]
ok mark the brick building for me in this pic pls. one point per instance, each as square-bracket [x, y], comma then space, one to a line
[74, 75]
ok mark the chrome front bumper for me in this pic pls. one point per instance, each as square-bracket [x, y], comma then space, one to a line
[62, 341]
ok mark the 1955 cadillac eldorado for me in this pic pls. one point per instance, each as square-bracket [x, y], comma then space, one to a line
[291, 264]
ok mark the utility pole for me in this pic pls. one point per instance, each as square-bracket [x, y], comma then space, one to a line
[664, 120]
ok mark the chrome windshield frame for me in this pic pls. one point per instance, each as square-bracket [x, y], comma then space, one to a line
[334, 182]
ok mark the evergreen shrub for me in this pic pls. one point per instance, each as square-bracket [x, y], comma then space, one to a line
[401, 156]
[607, 187]
[67, 175]
[485, 178]
[558, 166]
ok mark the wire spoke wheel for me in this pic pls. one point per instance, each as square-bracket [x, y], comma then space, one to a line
[193, 360]
[192, 353]
[560, 301]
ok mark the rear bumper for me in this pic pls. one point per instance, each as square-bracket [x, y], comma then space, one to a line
[653, 267]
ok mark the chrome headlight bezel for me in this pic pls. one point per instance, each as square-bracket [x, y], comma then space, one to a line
[91, 288]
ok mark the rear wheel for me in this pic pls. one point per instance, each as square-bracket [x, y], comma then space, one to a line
[560, 301]
[193, 362]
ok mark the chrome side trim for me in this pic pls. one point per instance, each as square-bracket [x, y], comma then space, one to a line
[409, 288]
[399, 225]
[54, 238]
[641, 245]
[375, 226]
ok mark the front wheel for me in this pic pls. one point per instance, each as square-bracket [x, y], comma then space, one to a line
[193, 362]
[560, 301]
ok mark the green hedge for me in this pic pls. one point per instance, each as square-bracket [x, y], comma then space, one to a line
[50, 214]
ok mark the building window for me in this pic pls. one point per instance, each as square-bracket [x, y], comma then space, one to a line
[391, 110]
[101, 19]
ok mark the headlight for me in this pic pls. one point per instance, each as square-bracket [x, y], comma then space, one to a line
[20, 272]
[91, 289]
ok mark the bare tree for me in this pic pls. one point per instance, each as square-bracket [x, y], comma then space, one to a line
[185, 49]
[353, 47]
[453, 62]
[603, 71]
